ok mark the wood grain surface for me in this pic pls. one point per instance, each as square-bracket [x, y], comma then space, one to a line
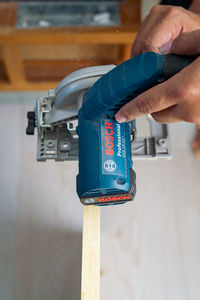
[90, 279]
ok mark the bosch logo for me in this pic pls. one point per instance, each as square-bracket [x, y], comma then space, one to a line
[109, 138]
[114, 198]
[110, 165]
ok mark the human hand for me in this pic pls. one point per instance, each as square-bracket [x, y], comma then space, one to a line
[176, 99]
[162, 26]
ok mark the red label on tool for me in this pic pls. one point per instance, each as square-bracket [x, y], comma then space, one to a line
[114, 198]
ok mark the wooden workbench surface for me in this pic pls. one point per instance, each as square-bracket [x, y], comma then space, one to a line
[149, 248]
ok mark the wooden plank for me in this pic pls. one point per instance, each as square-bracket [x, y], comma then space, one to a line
[125, 52]
[8, 14]
[57, 70]
[28, 86]
[44, 75]
[70, 52]
[130, 12]
[14, 65]
[90, 279]
[61, 36]
[3, 74]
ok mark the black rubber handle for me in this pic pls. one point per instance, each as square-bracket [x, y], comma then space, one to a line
[175, 63]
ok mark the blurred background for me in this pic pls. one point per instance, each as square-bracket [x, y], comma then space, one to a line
[149, 248]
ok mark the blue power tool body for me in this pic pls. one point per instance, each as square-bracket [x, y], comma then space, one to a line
[105, 163]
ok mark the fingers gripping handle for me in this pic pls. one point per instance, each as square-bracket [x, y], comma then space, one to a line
[122, 84]
[128, 80]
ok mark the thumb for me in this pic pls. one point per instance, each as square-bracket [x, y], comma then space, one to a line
[187, 43]
[153, 100]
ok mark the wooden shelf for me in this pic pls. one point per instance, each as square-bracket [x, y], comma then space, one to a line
[19, 74]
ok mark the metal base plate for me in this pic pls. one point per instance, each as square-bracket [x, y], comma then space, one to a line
[56, 119]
